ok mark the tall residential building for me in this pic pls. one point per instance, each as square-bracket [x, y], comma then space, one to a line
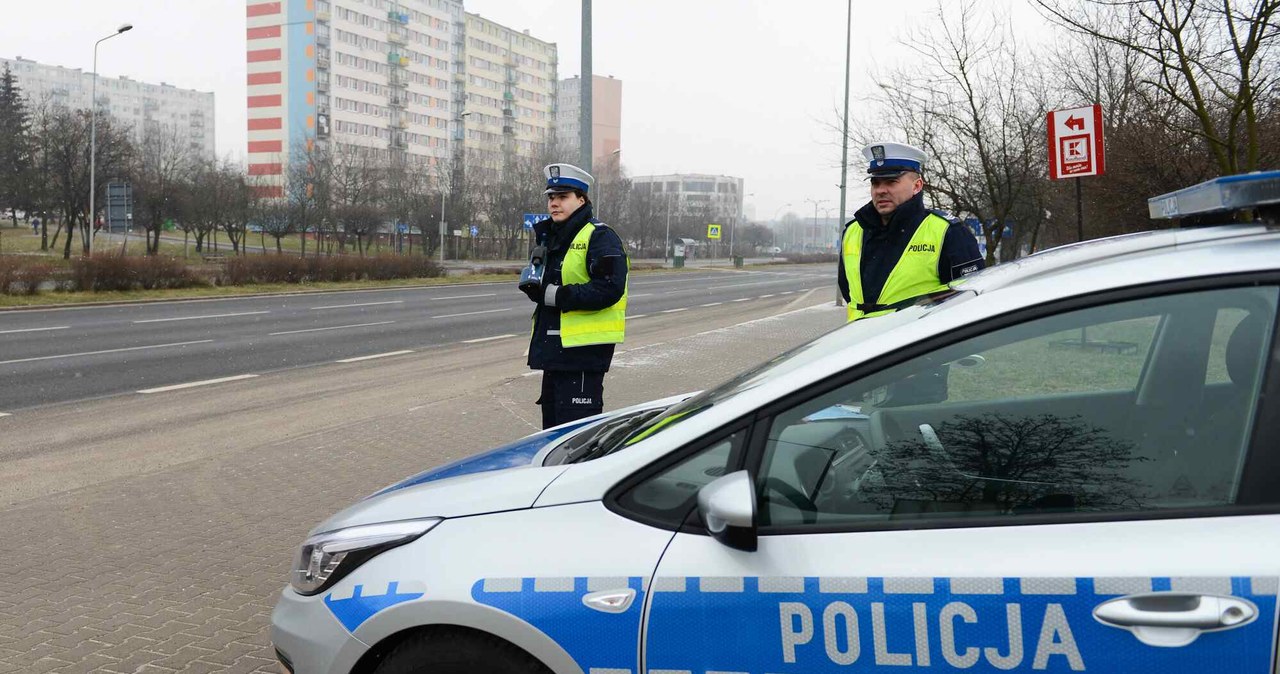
[606, 118]
[509, 95]
[143, 107]
[372, 74]
[716, 197]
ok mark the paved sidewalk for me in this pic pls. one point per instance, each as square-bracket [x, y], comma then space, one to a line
[176, 566]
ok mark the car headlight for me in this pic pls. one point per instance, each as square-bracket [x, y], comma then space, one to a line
[326, 557]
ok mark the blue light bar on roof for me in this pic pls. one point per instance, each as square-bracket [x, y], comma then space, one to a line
[1228, 193]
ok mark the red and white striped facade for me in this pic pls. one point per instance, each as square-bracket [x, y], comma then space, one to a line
[280, 53]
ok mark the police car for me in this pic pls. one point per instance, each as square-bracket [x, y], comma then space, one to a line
[1067, 463]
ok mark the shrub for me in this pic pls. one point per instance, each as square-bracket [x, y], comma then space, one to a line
[810, 258]
[116, 272]
[23, 276]
[291, 269]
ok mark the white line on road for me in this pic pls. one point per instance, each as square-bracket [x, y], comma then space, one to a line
[336, 327]
[462, 297]
[632, 318]
[362, 304]
[376, 355]
[485, 339]
[5, 414]
[640, 295]
[10, 332]
[473, 313]
[95, 353]
[764, 297]
[742, 299]
[194, 384]
[711, 304]
[672, 311]
[194, 318]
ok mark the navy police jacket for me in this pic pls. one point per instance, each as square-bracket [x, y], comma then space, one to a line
[883, 244]
[607, 267]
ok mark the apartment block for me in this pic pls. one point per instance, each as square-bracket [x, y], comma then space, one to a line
[606, 118]
[141, 106]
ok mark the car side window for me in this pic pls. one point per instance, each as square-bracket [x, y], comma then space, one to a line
[668, 495]
[1133, 406]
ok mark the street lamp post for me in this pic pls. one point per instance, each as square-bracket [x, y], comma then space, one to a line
[93, 133]
[613, 162]
[667, 243]
[775, 222]
[815, 210]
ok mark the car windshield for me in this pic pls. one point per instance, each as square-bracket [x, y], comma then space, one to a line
[790, 361]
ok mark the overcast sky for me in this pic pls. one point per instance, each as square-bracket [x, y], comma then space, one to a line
[748, 88]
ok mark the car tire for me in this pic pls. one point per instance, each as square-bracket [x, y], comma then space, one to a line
[456, 651]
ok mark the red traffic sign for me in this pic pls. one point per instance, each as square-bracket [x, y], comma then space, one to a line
[1075, 143]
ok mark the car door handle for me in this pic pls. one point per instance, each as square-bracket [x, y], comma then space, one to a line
[1174, 619]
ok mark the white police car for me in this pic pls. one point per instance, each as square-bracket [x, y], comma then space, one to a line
[1069, 463]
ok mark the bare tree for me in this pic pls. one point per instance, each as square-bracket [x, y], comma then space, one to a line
[1214, 60]
[64, 162]
[356, 192]
[973, 106]
[161, 172]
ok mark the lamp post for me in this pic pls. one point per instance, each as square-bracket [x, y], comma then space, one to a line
[611, 164]
[93, 133]
[667, 244]
[462, 121]
[775, 222]
[815, 210]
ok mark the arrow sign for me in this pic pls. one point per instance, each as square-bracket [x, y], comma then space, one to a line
[1075, 142]
[531, 219]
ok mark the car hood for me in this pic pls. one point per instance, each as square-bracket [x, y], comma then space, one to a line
[516, 454]
[509, 477]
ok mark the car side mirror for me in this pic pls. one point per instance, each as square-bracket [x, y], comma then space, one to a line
[727, 507]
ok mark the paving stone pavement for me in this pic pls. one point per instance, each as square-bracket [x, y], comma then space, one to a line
[177, 569]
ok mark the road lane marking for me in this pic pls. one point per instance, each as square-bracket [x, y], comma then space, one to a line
[640, 295]
[10, 332]
[485, 339]
[462, 297]
[630, 318]
[672, 311]
[376, 355]
[362, 304]
[742, 299]
[473, 313]
[195, 318]
[335, 327]
[5, 414]
[762, 297]
[194, 384]
[711, 304]
[95, 353]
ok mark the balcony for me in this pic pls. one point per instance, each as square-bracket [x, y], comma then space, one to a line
[397, 101]
[395, 37]
[322, 85]
[322, 62]
[322, 15]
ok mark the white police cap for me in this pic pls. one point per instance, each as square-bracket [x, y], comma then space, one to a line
[566, 177]
[889, 160]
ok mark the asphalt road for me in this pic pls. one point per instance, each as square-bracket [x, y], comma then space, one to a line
[61, 355]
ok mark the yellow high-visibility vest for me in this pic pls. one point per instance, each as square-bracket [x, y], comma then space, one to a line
[582, 328]
[914, 275]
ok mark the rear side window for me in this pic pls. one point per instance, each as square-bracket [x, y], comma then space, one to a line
[1133, 406]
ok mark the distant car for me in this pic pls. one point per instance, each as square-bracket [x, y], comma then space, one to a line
[1070, 462]
[773, 251]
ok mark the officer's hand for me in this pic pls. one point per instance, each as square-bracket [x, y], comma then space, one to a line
[533, 290]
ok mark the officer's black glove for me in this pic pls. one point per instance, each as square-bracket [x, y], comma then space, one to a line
[534, 292]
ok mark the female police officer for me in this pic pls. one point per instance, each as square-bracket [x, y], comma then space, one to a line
[581, 298]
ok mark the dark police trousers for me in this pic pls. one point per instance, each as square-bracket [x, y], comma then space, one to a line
[567, 396]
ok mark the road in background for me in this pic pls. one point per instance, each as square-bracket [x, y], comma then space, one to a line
[59, 355]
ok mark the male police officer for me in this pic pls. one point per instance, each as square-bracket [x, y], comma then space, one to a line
[895, 250]
[581, 298]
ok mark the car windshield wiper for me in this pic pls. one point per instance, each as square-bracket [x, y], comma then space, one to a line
[608, 440]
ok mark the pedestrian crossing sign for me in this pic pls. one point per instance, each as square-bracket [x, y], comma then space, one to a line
[713, 231]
